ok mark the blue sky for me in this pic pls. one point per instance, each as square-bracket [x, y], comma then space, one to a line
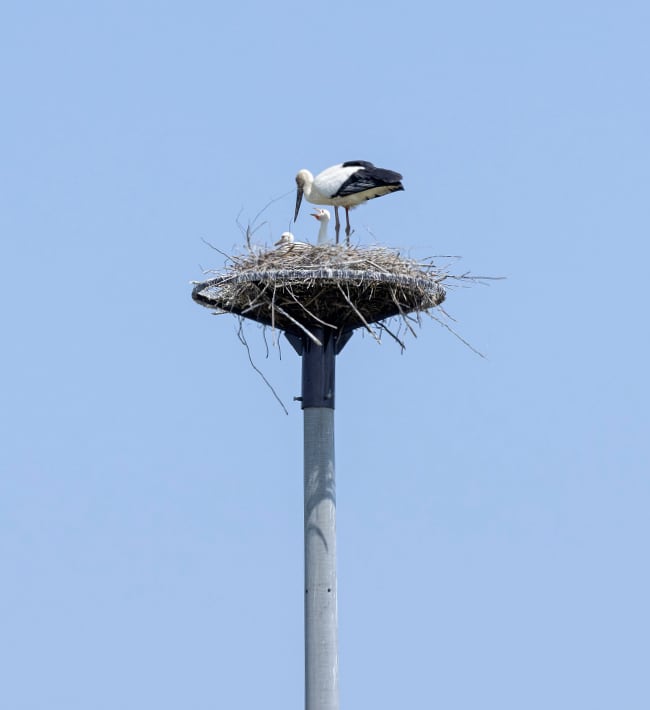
[492, 514]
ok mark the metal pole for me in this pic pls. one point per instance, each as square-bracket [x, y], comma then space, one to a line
[321, 623]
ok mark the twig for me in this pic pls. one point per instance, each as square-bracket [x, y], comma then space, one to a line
[266, 344]
[401, 312]
[268, 204]
[308, 312]
[383, 326]
[453, 332]
[212, 246]
[256, 299]
[379, 268]
[447, 315]
[273, 315]
[242, 340]
[252, 307]
[356, 310]
[248, 233]
[301, 326]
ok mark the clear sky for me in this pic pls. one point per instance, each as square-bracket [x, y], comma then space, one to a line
[492, 514]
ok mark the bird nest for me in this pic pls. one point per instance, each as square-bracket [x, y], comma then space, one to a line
[299, 287]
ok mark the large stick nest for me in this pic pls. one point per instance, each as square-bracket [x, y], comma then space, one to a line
[300, 286]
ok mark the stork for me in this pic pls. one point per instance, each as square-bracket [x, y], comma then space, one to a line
[323, 216]
[345, 185]
[288, 241]
[285, 239]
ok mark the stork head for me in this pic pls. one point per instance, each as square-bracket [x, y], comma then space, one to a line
[304, 180]
[321, 215]
[285, 238]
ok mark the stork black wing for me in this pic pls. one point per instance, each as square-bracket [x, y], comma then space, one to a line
[360, 163]
[367, 178]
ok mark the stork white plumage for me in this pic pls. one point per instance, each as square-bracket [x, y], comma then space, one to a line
[288, 241]
[346, 185]
[285, 238]
[323, 216]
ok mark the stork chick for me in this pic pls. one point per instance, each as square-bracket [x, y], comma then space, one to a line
[288, 242]
[323, 216]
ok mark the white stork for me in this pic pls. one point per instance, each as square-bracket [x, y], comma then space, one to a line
[288, 241]
[345, 185]
[323, 216]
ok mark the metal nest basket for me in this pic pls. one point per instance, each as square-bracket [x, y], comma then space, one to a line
[298, 288]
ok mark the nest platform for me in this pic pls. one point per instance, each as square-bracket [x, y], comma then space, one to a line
[300, 287]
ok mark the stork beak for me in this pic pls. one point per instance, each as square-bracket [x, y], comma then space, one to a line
[315, 214]
[298, 201]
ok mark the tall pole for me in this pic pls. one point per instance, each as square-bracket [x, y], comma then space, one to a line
[321, 620]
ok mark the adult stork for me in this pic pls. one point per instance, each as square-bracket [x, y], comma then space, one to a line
[323, 216]
[346, 185]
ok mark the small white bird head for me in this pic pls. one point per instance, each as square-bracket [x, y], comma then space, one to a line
[285, 238]
[321, 215]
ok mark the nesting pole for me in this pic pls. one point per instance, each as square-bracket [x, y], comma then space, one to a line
[321, 618]
[318, 296]
[321, 624]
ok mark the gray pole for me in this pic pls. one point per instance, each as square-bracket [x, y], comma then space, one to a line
[321, 624]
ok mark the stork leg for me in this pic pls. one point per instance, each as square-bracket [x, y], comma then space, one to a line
[337, 226]
[348, 231]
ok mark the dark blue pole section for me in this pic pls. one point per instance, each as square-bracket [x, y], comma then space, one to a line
[318, 369]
